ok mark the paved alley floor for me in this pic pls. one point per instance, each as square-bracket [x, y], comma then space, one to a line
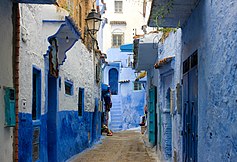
[125, 146]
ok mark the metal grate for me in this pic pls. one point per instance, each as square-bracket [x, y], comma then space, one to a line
[35, 143]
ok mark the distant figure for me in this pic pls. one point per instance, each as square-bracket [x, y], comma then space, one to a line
[108, 104]
[143, 119]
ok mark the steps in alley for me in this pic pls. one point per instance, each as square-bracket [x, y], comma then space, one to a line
[116, 114]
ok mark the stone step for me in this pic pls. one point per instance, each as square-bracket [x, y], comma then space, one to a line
[114, 123]
[115, 113]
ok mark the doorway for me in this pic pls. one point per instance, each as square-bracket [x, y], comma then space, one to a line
[52, 116]
[113, 81]
[190, 108]
[152, 116]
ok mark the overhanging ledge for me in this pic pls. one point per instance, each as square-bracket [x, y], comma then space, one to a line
[66, 37]
[179, 12]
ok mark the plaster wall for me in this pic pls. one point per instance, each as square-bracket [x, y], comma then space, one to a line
[74, 133]
[132, 14]
[6, 73]
[132, 102]
[78, 68]
[212, 30]
[170, 47]
[31, 54]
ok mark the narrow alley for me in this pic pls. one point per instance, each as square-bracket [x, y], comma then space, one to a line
[79, 78]
[124, 146]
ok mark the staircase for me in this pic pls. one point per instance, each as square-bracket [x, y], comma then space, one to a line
[116, 114]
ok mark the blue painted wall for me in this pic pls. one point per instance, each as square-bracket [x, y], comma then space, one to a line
[72, 134]
[132, 102]
[132, 105]
[168, 76]
[212, 30]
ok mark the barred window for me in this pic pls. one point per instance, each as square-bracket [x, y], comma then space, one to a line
[137, 86]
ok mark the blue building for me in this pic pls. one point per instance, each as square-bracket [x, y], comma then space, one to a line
[206, 96]
[161, 59]
[128, 95]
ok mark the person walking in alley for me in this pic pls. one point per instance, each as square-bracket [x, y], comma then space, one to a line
[108, 104]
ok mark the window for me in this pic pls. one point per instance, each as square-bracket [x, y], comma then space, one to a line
[117, 40]
[80, 101]
[68, 88]
[97, 73]
[118, 6]
[36, 93]
[137, 86]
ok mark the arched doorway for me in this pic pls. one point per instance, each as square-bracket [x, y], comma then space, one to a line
[113, 81]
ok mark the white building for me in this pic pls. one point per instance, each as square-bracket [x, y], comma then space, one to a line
[125, 19]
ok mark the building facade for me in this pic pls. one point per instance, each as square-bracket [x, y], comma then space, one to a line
[202, 112]
[9, 32]
[122, 23]
[158, 53]
[59, 97]
[128, 95]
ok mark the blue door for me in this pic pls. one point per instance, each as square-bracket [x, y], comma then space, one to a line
[152, 116]
[190, 109]
[113, 81]
[51, 115]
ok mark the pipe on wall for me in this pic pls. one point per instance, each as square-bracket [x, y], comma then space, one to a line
[16, 52]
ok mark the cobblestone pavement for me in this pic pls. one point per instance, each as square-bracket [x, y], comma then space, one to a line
[125, 146]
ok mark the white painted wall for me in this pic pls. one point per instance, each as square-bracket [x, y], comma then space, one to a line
[6, 79]
[78, 66]
[31, 53]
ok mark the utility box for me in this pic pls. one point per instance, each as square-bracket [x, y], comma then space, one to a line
[10, 115]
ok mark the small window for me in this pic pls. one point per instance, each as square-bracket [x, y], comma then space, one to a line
[36, 96]
[80, 101]
[68, 88]
[97, 73]
[118, 6]
[137, 86]
[117, 40]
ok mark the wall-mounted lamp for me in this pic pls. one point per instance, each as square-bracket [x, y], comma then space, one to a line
[93, 21]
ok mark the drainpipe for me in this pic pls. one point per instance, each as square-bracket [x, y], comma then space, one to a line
[16, 49]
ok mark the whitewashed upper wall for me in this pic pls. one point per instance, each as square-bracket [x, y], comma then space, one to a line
[78, 67]
[6, 73]
[31, 53]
